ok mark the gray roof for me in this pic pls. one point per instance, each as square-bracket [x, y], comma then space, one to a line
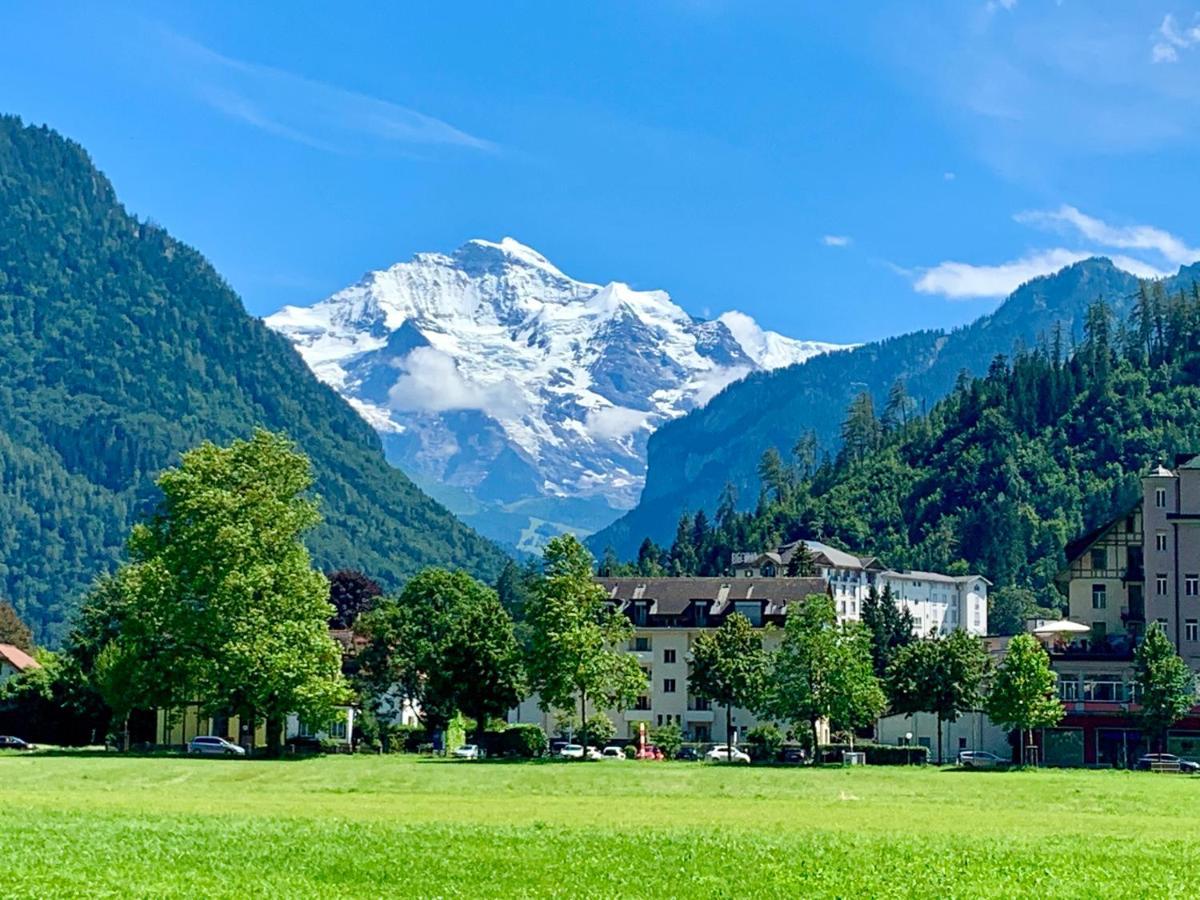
[672, 596]
[930, 576]
[837, 558]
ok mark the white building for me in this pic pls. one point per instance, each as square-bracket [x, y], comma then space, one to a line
[14, 661]
[937, 602]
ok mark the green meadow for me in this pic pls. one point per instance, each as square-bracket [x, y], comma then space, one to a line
[402, 826]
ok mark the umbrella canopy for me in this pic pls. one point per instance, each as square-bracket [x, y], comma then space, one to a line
[1062, 626]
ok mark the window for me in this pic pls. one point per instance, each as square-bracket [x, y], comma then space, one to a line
[668, 656]
[1068, 688]
[1162, 621]
[962, 743]
[1160, 541]
[1191, 584]
[1160, 584]
[641, 644]
[642, 702]
[1191, 630]
[1099, 596]
[668, 685]
[1099, 559]
[1160, 498]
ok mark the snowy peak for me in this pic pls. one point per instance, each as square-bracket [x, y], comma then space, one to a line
[491, 371]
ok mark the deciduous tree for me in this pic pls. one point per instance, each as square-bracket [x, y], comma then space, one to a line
[1167, 687]
[729, 667]
[1023, 692]
[823, 670]
[447, 644]
[577, 638]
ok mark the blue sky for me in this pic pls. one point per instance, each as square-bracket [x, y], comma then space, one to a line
[839, 171]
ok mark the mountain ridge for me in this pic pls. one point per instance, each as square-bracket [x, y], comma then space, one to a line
[690, 459]
[123, 347]
[489, 371]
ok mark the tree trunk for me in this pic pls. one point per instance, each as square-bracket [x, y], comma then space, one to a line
[729, 732]
[246, 723]
[583, 733]
[941, 759]
[816, 741]
[274, 735]
[480, 729]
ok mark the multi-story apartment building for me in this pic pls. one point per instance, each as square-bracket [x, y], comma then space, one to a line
[1143, 566]
[667, 615]
[938, 603]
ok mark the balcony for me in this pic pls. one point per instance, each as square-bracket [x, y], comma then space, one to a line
[644, 657]
[637, 715]
[698, 715]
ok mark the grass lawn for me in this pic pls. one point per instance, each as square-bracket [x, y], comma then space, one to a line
[367, 826]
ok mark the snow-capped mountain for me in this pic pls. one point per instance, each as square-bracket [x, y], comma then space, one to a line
[493, 375]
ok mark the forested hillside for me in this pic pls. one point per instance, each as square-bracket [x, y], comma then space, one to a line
[1000, 475]
[121, 347]
[691, 459]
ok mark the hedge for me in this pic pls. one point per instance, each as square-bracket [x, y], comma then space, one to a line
[877, 754]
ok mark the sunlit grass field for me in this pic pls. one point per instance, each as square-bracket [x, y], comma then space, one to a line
[401, 826]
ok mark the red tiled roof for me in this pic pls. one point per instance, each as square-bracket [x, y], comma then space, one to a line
[18, 659]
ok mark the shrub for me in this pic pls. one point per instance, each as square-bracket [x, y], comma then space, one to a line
[668, 738]
[527, 741]
[402, 738]
[877, 754]
[630, 751]
[765, 742]
[600, 730]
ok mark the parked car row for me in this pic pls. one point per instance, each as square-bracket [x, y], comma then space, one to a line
[11, 742]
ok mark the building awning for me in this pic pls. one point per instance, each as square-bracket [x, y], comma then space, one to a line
[1062, 626]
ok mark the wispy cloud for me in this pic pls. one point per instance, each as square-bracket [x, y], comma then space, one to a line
[1067, 218]
[997, 5]
[836, 240]
[957, 280]
[1171, 38]
[303, 110]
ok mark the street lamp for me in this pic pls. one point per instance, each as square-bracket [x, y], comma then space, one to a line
[908, 744]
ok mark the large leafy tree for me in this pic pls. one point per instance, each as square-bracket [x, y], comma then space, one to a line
[221, 600]
[577, 638]
[448, 645]
[1023, 692]
[351, 593]
[823, 670]
[1167, 687]
[13, 630]
[938, 675]
[729, 667]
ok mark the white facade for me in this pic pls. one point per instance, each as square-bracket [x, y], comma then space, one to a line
[939, 603]
[971, 731]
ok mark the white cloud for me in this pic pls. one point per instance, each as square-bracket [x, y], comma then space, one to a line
[948, 176]
[612, 423]
[299, 109]
[836, 240]
[966, 281]
[996, 5]
[1171, 38]
[1123, 237]
[431, 382]
[709, 385]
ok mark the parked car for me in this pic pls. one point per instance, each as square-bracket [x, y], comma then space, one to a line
[794, 755]
[1166, 761]
[468, 751]
[724, 753]
[612, 753]
[649, 751]
[571, 751]
[214, 746]
[687, 754]
[11, 742]
[980, 759]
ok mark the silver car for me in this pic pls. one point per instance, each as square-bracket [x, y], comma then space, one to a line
[980, 759]
[215, 746]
